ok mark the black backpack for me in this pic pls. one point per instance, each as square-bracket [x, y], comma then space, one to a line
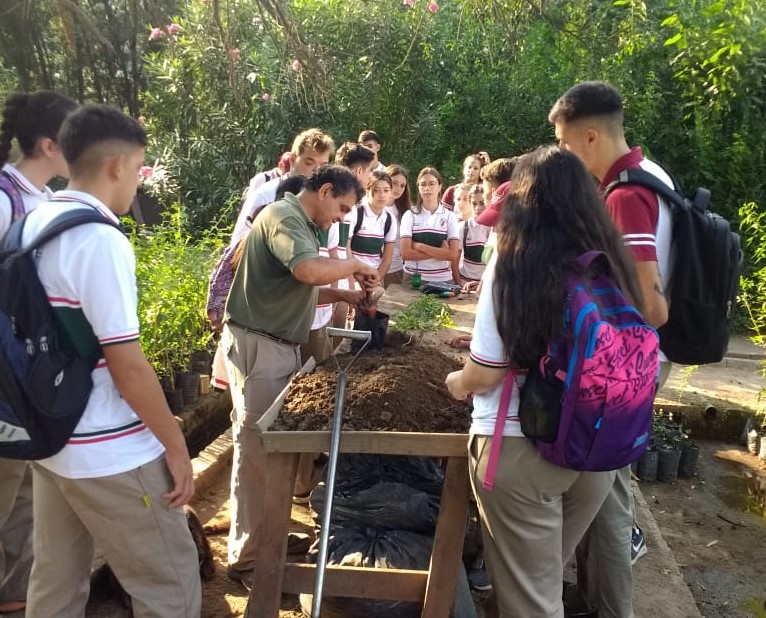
[44, 387]
[704, 277]
[360, 220]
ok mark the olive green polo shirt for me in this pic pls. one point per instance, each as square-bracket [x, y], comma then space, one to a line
[264, 295]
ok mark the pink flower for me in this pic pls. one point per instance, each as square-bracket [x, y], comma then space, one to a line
[297, 66]
[235, 53]
[156, 33]
[409, 3]
[266, 96]
[174, 29]
[146, 171]
[141, 120]
[433, 7]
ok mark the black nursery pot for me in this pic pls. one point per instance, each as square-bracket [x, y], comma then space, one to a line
[188, 382]
[647, 466]
[377, 325]
[667, 465]
[690, 454]
[175, 399]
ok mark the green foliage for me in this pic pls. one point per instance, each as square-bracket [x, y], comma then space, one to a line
[753, 282]
[171, 271]
[424, 313]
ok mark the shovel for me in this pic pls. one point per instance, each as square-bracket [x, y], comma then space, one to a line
[332, 464]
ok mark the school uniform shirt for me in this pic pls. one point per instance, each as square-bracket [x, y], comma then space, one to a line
[328, 240]
[367, 243]
[253, 203]
[397, 263]
[89, 275]
[430, 229]
[473, 237]
[642, 217]
[487, 350]
[30, 195]
[344, 231]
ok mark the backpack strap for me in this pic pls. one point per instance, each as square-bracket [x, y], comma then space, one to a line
[8, 186]
[359, 219]
[497, 436]
[61, 223]
[387, 225]
[465, 234]
[673, 196]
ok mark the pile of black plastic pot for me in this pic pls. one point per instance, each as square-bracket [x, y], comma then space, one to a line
[671, 453]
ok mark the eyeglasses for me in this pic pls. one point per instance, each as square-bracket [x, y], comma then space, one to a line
[433, 183]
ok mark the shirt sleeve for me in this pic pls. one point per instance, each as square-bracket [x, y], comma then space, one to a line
[635, 211]
[292, 242]
[352, 218]
[452, 227]
[487, 347]
[333, 237]
[461, 234]
[105, 285]
[406, 227]
[6, 213]
[393, 231]
[449, 197]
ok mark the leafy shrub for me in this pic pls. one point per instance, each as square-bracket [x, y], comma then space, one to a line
[172, 271]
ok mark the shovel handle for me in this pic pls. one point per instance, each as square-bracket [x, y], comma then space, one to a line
[358, 335]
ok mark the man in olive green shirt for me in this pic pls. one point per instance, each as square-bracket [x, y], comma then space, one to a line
[268, 314]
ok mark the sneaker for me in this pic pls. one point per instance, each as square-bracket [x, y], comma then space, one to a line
[637, 544]
[477, 576]
[301, 499]
[243, 577]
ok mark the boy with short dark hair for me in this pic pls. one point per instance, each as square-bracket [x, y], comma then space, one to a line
[122, 478]
[496, 173]
[371, 140]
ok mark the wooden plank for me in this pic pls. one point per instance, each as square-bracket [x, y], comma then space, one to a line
[271, 414]
[358, 582]
[274, 524]
[448, 540]
[382, 442]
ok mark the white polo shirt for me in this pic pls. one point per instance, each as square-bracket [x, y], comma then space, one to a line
[430, 229]
[89, 275]
[367, 243]
[254, 201]
[487, 350]
[30, 195]
[472, 244]
[328, 240]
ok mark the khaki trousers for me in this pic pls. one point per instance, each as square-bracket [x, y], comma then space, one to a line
[15, 529]
[147, 545]
[258, 369]
[531, 523]
[318, 346]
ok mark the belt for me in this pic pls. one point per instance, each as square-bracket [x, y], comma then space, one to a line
[261, 333]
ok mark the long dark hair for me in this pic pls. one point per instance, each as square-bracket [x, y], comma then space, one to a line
[552, 214]
[404, 202]
[30, 116]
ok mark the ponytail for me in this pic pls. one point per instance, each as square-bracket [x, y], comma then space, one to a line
[29, 117]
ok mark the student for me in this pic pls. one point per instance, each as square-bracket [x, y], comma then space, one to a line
[370, 139]
[476, 195]
[430, 241]
[268, 316]
[473, 237]
[311, 149]
[33, 120]
[588, 121]
[122, 479]
[371, 242]
[537, 512]
[463, 201]
[360, 160]
[400, 203]
[261, 178]
[494, 174]
[472, 166]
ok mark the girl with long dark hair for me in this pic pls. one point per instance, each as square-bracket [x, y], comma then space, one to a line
[537, 512]
[401, 203]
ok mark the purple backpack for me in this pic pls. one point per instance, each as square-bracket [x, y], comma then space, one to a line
[9, 187]
[588, 405]
[219, 285]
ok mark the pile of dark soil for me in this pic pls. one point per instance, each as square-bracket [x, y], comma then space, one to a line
[399, 389]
